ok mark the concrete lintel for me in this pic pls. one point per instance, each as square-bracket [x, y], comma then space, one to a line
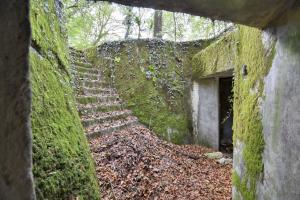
[223, 74]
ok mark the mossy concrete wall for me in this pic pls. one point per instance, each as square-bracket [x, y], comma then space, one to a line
[244, 51]
[266, 112]
[266, 107]
[281, 115]
[251, 56]
[62, 163]
[248, 96]
[153, 77]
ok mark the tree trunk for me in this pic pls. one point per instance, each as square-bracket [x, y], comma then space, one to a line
[139, 23]
[175, 27]
[128, 22]
[157, 32]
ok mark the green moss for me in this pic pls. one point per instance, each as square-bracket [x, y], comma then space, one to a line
[62, 163]
[218, 57]
[243, 47]
[91, 54]
[242, 186]
[82, 64]
[47, 32]
[248, 92]
[148, 102]
[159, 101]
[61, 158]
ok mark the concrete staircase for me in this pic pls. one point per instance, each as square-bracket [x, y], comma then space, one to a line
[99, 105]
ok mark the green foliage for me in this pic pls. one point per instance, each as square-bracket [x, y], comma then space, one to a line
[151, 69]
[248, 93]
[91, 23]
[88, 23]
[117, 59]
[174, 25]
[197, 24]
[187, 27]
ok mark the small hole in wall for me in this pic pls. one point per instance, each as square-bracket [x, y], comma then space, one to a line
[244, 71]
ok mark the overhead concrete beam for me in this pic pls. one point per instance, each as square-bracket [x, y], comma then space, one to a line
[256, 13]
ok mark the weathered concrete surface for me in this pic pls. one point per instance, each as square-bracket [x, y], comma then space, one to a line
[195, 96]
[257, 13]
[15, 100]
[205, 111]
[239, 166]
[281, 118]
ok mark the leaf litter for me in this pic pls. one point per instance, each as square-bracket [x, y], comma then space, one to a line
[134, 164]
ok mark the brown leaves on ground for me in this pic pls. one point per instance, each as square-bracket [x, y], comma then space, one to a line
[135, 164]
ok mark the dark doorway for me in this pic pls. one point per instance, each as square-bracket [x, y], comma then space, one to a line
[226, 114]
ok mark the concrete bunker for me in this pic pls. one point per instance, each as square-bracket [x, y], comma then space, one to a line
[212, 95]
[212, 111]
[15, 41]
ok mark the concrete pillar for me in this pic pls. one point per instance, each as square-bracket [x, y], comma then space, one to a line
[281, 118]
[16, 181]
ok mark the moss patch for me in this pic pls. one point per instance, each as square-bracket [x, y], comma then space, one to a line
[62, 163]
[242, 48]
[47, 31]
[248, 93]
[216, 58]
[61, 159]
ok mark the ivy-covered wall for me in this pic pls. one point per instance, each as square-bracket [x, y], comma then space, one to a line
[62, 163]
[153, 77]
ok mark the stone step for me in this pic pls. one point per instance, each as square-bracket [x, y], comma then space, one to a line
[99, 107]
[76, 53]
[90, 70]
[94, 90]
[78, 59]
[107, 128]
[82, 64]
[91, 76]
[93, 83]
[86, 99]
[103, 117]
